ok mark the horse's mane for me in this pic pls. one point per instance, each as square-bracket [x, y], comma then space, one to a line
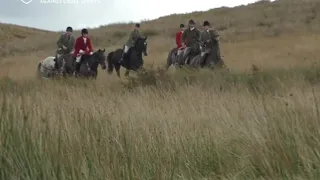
[89, 57]
[211, 43]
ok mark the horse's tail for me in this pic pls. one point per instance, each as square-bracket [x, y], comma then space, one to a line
[110, 63]
[38, 69]
[170, 57]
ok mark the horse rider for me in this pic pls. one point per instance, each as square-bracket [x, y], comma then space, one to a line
[82, 46]
[208, 35]
[179, 38]
[179, 35]
[134, 36]
[190, 38]
[65, 43]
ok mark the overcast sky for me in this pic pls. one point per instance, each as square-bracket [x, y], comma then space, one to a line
[58, 14]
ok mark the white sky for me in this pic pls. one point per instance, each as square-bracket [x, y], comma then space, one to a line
[92, 13]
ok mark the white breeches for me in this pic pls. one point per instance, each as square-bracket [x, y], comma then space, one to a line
[78, 58]
[126, 48]
[179, 51]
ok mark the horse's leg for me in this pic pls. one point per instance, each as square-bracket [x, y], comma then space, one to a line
[95, 75]
[167, 65]
[127, 72]
[117, 67]
[169, 61]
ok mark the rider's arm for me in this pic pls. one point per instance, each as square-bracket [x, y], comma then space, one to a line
[76, 46]
[134, 36]
[215, 34]
[198, 34]
[183, 38]
[59, 42]
[201, 38]
[90, 45]
[71, 44]
[177, 38]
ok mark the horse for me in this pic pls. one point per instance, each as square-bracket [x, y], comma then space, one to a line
[89, 64]
[60, 63]
[131, 61]
[172, 56]
[179, 58]
[211, 56]
[47, 68]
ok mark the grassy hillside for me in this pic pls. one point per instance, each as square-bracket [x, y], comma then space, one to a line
[242, 124]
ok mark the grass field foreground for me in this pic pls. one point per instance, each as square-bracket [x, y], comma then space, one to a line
[240, 127]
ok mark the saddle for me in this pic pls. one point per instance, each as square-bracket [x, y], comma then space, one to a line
[179, 50]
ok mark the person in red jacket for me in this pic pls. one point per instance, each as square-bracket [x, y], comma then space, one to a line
[82, 46]
[179, 35]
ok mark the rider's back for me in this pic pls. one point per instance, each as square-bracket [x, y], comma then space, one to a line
[190, 37]
[208, 35]
[66, 41]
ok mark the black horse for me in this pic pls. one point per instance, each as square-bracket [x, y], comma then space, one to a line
[131, 61]
[89, 64]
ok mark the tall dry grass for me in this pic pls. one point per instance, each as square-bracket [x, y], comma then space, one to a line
[183, 126]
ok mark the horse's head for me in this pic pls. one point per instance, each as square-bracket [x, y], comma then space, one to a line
[208, 45]
[141, 45]
[100, 58]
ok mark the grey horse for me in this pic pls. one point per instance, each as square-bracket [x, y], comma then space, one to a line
[179, 57]
[209, 57]
[47, 68]
[133, 60]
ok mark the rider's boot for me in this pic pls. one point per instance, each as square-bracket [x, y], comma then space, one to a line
[77, 69]
[122, 57]
[125, 51]
[203, 59]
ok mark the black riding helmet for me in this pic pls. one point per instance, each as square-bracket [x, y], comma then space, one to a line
[69, 29]
[206, 23]
[137, 25]
[84, 31]
[191, 21]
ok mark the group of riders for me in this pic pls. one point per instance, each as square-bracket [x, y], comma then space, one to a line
[189, 37]
[67, 44]
[193, 39]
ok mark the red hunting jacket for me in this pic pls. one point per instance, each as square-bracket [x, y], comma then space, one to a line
[80, 44]
[178, 39]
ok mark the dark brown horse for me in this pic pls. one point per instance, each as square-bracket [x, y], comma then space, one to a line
[89, 64]
[132, 60]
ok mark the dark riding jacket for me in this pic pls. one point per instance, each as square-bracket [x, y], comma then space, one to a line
[134, 36]
[67, 41]
[191, 38]
[207, 35]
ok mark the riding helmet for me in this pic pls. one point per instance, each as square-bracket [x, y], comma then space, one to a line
[181, 25]
[206, 23]
[138, 25]
[84, 31]
[191, 21]
[69, 29]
